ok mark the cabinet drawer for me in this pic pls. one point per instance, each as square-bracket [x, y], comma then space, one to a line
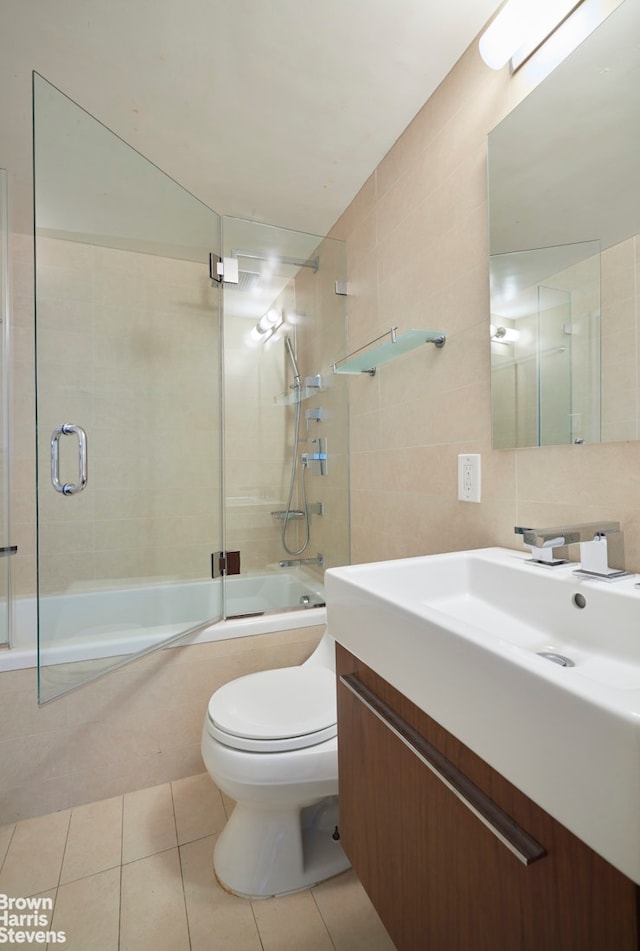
[445, 864]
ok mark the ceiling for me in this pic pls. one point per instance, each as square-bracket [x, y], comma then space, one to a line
[275, 110]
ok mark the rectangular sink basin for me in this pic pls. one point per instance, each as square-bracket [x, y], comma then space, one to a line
[535, 669]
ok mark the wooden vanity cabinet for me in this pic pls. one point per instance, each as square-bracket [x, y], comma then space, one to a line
[439, 877]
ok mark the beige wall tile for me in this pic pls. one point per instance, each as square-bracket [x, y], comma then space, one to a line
[427, 261]
[137, 727]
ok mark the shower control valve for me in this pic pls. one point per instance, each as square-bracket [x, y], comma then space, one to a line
[316, 461]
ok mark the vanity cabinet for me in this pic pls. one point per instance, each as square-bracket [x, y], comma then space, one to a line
[453, 857]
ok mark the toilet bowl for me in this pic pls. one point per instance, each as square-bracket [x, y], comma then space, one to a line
[269, 741]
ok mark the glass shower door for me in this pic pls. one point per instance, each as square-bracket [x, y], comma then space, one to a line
[6, 548]
[128, 339]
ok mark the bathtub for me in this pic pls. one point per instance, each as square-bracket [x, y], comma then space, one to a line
[109, 623]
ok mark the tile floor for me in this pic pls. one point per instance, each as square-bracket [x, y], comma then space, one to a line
[134, 873]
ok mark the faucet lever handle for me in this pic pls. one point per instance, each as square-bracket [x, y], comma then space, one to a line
[550, 542]
[542, 543]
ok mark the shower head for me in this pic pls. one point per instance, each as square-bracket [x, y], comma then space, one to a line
[294, 363]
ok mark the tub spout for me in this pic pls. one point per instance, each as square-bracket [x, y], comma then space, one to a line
[296, 562]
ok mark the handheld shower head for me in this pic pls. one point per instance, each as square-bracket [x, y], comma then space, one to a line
[294, 363]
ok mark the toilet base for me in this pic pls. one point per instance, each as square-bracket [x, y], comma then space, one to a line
[263, 853]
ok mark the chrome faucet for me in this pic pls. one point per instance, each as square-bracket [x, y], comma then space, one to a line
[543, 543]
[601, 547]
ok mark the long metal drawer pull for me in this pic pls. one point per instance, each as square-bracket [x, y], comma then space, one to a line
[69, 488]
[523, 846]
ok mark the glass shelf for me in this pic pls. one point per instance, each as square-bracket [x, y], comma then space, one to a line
[398, 345]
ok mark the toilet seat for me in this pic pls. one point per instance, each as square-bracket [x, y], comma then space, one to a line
[275, 710]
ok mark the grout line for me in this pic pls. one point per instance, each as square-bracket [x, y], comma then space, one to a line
[121, 828]
[56, 889]
[184, 894]
[120, 912]
[150, 855]
[121, 864]
[255, 921]
[81, 878]
[322, 918]
[13, 832]
[64, 851]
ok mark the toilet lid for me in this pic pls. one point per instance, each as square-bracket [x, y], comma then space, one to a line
[275, 709]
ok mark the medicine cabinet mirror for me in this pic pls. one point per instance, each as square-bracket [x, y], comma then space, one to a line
[564, 216]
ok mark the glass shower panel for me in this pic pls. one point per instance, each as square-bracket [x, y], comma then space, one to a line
[554, 366]
[545, 346]
[6, 548]
[286, 452]
[128, 352]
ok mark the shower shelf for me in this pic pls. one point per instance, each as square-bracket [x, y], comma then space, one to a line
[396, 346]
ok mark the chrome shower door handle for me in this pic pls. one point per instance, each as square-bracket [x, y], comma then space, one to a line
[69, 488]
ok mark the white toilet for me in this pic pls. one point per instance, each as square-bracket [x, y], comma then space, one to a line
[269, 742]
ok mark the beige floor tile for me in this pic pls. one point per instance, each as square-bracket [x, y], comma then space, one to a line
[198, 807]
[6, 833]
[152, 905]
[148, 823]
[34, 857]
[229, 804]
[218, 921]
[351, 919]
[94, 842]
[88, 911]
[291, 923]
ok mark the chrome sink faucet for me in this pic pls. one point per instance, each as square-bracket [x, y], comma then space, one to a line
[548, 545]
[601, 547]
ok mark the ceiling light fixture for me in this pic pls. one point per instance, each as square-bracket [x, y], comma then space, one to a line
[267, 325]
[522, 22]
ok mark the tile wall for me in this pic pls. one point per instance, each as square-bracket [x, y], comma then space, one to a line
[137, 334]
[417, 250]
[141, 725]
[417, 257]
[137, 727]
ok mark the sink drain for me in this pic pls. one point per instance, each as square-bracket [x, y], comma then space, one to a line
[559, 659]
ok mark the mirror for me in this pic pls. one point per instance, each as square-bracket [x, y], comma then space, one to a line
[564, 220]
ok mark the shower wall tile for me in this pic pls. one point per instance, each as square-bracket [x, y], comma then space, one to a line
[137, 336]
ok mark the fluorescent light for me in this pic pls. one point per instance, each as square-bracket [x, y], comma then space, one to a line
[520, 22]
[267, 325]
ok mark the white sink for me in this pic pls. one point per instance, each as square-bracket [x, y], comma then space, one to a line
[461, 635]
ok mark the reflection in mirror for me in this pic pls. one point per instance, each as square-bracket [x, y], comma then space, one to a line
[545, 348]
[562, 186]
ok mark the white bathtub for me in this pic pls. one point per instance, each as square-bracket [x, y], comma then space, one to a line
[85, 625]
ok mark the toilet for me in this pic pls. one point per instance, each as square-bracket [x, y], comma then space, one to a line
[269, 742]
